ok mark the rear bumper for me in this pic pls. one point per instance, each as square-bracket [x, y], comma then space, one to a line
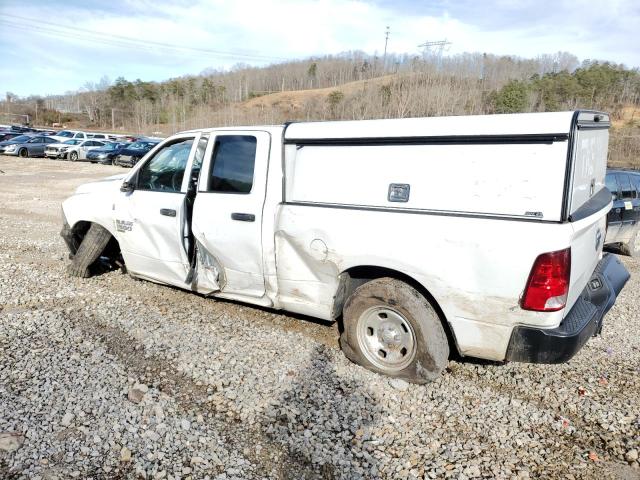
[584, 320]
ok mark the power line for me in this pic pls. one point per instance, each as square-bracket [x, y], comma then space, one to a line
[78, 33]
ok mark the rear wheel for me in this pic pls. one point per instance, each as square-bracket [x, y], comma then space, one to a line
[632, 247]
[390, 328]
[24, 153]
[73, 156]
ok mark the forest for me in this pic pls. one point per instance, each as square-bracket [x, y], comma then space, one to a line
[353, 85]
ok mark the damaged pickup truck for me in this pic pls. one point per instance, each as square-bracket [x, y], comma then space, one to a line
[363, 222]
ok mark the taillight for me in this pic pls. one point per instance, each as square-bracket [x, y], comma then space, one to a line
[548, 283]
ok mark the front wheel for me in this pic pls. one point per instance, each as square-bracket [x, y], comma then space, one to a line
[23, 153]
[73, 156]
[390, 328]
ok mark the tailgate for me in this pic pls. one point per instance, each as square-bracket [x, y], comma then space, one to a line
[588, 200]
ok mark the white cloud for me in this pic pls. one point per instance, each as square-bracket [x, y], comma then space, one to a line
[300, 28]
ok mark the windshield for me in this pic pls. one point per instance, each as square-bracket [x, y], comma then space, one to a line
[72, 142]
[21, 138]
[64, 133]
[111, 146]
[141, 145]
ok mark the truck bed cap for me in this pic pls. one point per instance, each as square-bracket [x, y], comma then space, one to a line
[504, 124]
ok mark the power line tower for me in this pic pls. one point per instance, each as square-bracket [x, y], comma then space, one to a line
[435, 48]
[386, 41]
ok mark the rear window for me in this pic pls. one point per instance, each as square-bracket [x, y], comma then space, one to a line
[612, 184]
[627, 190]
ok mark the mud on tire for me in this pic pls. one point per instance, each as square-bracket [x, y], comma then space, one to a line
[403, 312]
[92, 246]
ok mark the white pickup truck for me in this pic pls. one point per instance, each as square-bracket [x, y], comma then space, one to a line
[476, 234]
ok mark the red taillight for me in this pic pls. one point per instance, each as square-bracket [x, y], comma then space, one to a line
[548, 283]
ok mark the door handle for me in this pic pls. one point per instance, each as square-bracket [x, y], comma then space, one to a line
[167, 212]
[243, 217]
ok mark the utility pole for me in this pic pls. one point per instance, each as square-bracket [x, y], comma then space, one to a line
[113, 119]
[386, 41]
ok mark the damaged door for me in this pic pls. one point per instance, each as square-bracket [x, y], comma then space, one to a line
[150, 213]
[227, 214]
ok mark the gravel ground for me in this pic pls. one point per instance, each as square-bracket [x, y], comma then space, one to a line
[112, 377]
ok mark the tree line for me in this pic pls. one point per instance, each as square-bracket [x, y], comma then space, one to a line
[352, 85]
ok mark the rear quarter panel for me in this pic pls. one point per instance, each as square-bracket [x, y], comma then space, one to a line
[475, 268]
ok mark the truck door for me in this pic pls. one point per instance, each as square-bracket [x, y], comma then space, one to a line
[150, 219]
[227, 212]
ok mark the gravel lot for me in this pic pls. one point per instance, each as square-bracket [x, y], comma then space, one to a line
[112, 377]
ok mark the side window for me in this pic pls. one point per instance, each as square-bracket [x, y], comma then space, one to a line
[164, 172]
[625, 186]
[635, 181]
[233, 163]
[49, 140]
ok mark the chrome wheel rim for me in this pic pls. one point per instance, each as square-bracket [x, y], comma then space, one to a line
[386, 338]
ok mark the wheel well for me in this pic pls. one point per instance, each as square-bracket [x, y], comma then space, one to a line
[354, 277]
[80, 229]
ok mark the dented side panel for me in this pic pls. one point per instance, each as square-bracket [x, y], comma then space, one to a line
[476, 269]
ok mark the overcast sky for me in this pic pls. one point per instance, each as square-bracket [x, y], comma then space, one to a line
[52, 46]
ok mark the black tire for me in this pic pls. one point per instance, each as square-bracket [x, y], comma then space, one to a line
[93, 244]
[632, 247]
[431, 347]
[23, 153]
[114, 162]
[73, 156]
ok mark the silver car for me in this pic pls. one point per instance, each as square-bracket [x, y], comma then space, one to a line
[73, 150]
[28, 147]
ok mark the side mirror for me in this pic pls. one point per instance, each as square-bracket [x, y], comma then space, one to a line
[127, 187]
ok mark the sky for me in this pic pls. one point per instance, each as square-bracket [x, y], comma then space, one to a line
[55, 46]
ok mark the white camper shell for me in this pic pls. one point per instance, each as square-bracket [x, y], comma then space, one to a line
[481, 234]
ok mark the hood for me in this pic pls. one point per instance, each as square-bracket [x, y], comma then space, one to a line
[60, 145]
[109, 183]
[9, 142]
[134, 152]
[102, 150]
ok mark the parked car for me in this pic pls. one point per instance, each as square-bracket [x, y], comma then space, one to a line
[98, 136]
[6, 135]
[130, 155]
[623, 219]
[106, 154]
[355, 221]
[15, 140]
[22, 129]
[65, 135]
[31, 147]
[72, 150]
